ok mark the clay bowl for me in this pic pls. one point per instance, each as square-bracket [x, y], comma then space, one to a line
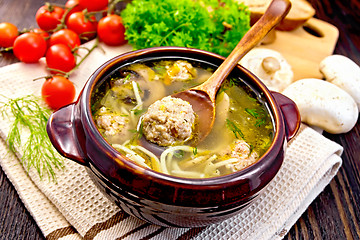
[158, 198]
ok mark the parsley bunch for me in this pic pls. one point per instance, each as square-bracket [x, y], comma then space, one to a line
[211, 25]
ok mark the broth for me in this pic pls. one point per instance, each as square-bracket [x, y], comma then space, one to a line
[242, 132]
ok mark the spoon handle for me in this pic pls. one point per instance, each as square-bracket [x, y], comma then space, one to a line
[276, 11]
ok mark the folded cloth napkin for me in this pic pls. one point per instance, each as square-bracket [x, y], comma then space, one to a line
[73, 208]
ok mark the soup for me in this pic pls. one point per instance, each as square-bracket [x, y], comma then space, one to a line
[133, 110]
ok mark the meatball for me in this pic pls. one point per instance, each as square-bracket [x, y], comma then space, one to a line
[169, 121]
[111, 124]
[180, 71]
[242, 152]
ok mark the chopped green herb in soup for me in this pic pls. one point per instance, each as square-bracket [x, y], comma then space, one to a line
[134, 103]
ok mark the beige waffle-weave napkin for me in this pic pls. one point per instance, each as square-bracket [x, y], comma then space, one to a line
[74, 209]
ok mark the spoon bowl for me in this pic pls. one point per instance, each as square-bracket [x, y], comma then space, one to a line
[202, 97]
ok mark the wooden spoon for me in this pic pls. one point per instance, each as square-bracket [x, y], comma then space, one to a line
[202, 97]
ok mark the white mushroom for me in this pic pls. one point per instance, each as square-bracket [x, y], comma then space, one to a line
[270, 67]
[324, 105]
[344, 73]
[146, 79]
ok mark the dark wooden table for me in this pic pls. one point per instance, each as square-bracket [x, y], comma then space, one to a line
[335, 213]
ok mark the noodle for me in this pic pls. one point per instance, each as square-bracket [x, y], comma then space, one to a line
[212, 167]
[164, 158]
[154, 159]
[192, 162]
[132, 155]
[139, 102]
[137, 96]
[188, 174]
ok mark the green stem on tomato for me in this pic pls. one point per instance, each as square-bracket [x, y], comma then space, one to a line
[112, 5]
[83, 58]
[62, 23]
[50, 6]
[46, 77]
[8, 49]
[81, 35]
[62, 73]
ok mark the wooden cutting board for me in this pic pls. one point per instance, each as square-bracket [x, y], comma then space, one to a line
[303, 49]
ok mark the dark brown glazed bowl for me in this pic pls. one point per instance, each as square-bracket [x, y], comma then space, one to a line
[155, 197]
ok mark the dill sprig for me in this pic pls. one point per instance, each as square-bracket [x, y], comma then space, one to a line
[235, 129]
[28, 116]
[259, 114]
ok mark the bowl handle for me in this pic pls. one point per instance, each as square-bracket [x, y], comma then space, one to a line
[62, 132]
[290, 112]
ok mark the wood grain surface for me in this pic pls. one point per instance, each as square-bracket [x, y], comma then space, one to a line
[335, 213]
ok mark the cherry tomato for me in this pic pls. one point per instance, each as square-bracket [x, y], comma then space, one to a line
[42, 33]
[65, 36]
[49, 16]
[8, 33]
[94, 5]
[58, 91]
[60, 57]
[85, 26]
[29, 47]
[111, 30]
[75, 7]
